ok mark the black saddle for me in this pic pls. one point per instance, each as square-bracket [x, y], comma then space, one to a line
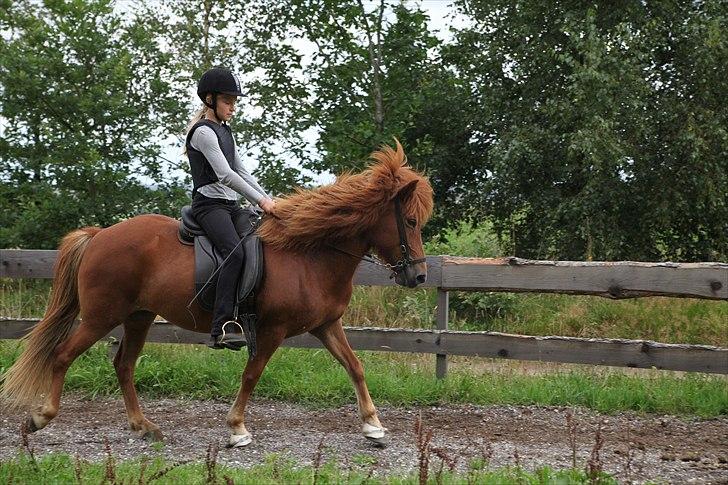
[208, 259]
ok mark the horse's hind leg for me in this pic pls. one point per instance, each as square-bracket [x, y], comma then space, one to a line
[136, 328]
[334, 339]
[89, 331]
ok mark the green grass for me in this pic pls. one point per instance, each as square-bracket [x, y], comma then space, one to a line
[313, 377]
[61, 468]
[23, 297]
[669, 320]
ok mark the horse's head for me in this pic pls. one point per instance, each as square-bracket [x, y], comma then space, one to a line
[397, 235]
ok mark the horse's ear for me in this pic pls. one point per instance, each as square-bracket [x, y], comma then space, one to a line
[406, 190]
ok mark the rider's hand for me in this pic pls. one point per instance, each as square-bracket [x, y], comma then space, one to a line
[269, 206]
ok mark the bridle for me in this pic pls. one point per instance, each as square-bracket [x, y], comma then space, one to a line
[405, 261]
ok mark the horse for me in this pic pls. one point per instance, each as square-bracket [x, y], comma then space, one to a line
[130, 272]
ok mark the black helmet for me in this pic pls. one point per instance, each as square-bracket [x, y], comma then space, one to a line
[218, 80]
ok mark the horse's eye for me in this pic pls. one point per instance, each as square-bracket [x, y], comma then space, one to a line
[412, 222]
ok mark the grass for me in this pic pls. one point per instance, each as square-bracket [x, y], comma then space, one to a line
[23, 298]
[313, 377]
[62, 468]
[669, 320]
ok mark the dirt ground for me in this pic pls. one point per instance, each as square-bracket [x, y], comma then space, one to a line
[636, 448]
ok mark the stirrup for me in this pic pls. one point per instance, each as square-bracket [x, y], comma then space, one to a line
[232, 340]
[234, 322]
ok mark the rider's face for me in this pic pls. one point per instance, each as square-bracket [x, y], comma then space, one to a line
[225, 106]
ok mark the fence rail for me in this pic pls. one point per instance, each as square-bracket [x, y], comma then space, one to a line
[614, 280]
[643, 354]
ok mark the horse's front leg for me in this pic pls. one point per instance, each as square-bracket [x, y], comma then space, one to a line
[267, 342]
[334, 339]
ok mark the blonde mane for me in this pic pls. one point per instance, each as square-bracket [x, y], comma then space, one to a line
[348, 207]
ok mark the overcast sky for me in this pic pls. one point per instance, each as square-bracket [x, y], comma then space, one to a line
[442, 16]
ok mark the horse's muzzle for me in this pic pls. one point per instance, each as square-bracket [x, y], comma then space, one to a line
[412, 276]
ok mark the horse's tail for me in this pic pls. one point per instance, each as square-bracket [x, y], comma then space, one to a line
[30, 377]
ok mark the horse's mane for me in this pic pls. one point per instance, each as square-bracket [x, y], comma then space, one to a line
[348, 207]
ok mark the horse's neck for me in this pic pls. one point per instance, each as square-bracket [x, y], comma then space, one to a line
[341, 260]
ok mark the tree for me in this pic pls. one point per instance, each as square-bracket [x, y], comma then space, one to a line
[84, 98]
[201, 34]
[600, 126]
[374, 73]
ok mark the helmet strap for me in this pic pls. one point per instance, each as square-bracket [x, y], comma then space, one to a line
[213, 106]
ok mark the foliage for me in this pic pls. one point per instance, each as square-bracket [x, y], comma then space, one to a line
[603, 126]
[83, 98]
[201, 34]
[580, 130]
[466, 239]
[373, 75]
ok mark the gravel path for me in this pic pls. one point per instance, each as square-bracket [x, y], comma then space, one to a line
[636, 448]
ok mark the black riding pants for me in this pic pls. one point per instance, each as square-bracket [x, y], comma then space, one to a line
[219, 217]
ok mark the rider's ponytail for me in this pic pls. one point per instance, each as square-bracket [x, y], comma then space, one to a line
[200, 114]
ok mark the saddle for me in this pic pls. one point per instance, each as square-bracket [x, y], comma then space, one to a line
[208, 260]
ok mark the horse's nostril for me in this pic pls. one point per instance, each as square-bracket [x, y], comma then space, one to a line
[421, 278]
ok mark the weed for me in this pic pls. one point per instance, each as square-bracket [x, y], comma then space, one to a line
[25, 442]
[78, 470]
[211, 462]
[445, 459]
[422, 440]
[594, 467]
[571, 431]
[110, 465]
[317, 458]
[143, 469]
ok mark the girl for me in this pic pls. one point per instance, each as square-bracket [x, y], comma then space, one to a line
[219, 177]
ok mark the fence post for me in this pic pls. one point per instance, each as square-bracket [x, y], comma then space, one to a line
[443, 310]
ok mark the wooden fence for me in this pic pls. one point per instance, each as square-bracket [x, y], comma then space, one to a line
[607, 279]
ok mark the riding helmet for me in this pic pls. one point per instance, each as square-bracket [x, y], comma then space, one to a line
[218, 80]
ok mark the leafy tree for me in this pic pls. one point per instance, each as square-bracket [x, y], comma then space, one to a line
[600, 125]
[374, 74]
[201, 34]
[83, 102]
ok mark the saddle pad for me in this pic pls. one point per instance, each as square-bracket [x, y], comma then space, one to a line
[207, 260]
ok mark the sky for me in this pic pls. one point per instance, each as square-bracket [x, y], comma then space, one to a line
[442, 15]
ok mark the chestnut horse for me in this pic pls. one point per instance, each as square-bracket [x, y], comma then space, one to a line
[130, 272]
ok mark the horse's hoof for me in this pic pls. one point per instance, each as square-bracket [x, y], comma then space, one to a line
[153, 435]
[373, 432]
[378, 442]
[29, 425]
[240, 440]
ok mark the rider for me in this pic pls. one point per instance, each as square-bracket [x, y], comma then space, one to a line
[219, 177]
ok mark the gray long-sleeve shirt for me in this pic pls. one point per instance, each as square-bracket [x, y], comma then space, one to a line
[232, 181]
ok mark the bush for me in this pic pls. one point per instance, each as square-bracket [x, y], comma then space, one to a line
[480, 241]
[466, 239]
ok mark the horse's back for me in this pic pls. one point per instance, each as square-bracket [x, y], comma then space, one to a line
[140, 261]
